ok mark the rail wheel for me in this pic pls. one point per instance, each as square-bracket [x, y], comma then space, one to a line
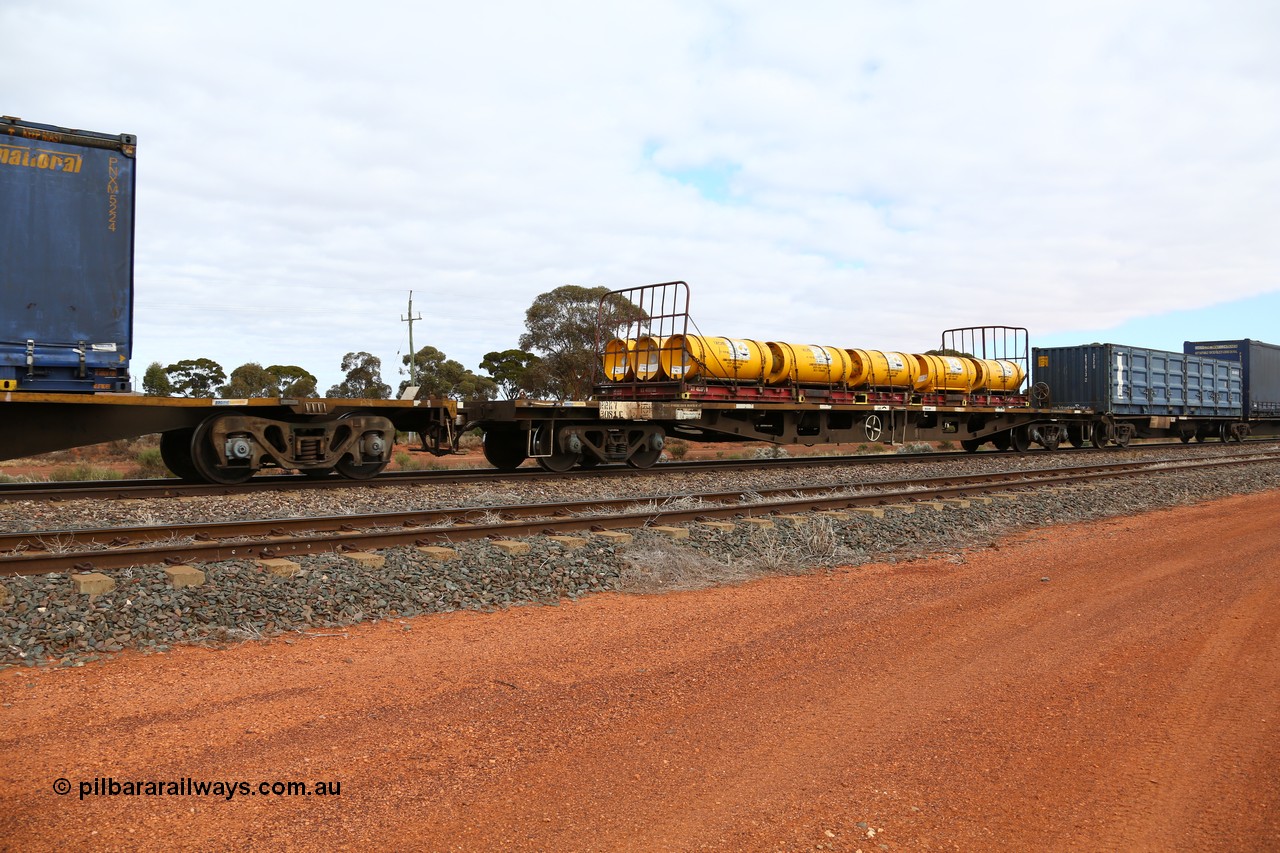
[971, 445]
[559, 461]
[1075, 435]
[588, 461]
[366, 462]
[505, 449]
[175, 452]
[1020, 439]
[1001, 441]
[645, 458]
[207, 459]
[353, 470]
[1099, 435]
[1184, 437]
[1124, 434]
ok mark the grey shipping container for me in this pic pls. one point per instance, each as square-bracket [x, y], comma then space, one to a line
[1261, 365]
[1127, 380]
[66, 258]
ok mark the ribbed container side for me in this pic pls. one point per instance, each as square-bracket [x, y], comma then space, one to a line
[1261, 364]
[1127, 380]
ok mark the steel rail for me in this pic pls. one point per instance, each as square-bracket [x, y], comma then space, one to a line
[336, 533]
[174, 488]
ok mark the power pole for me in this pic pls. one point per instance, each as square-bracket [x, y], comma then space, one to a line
[409, 318]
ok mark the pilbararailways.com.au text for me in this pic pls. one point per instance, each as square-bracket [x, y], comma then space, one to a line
[107, 786]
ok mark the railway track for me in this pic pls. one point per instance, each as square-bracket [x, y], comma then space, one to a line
[174, 488]
[124, 547]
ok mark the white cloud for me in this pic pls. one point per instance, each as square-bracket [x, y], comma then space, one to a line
[895, 169]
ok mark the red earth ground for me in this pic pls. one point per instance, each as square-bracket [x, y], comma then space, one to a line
[1112, 685]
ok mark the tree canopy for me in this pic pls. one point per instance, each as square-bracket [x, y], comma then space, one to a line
[438, 376]
[155, 382]
[294, 381]
[251, 380]
[561, 325]
[195, 377]
[510, 369]
[363, 378]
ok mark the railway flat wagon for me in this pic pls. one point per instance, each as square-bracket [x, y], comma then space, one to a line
[661, 378]
[66, 258]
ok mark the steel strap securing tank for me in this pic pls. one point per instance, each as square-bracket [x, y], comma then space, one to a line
[808, 364]
[687, 356]
[875, 369]
[945, 373]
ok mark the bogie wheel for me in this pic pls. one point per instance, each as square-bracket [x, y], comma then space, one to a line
[1001, 441]
[1224, 432]
[1020, 439]
[505, 449]
[353, 470]
[1099, 435]
[205, 458]
[1075, 435]
[366, 462]
[971, 445]
[646, 457]
[588, 461]
[1184, 437]
[1124, 433]
[559, 461]
[175, 452]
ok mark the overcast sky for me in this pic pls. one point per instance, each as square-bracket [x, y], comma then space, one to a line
[861, 174]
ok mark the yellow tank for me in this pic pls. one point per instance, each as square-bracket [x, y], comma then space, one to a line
[686, 356]
[620, 360]
[946, 373]
[648, 357]
[881, 369]
[999, 375]
[807, 364]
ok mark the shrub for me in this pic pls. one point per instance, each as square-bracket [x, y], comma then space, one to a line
[83, 471]
[678, 449]
[405, 461]
[148, 464]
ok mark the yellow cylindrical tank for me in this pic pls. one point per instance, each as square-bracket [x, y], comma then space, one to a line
[686, 356]
[648, 357]
[999, 375]
[881, 369]
[946, 373]
[807, 364]
[620, 360]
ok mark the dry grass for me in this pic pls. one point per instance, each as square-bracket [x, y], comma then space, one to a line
[662, 566]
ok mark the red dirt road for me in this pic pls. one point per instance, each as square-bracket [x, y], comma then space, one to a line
[1130, 702]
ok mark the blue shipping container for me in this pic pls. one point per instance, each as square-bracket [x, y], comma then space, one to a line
[1128, 380]
[1261, 364]
[66, 258]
